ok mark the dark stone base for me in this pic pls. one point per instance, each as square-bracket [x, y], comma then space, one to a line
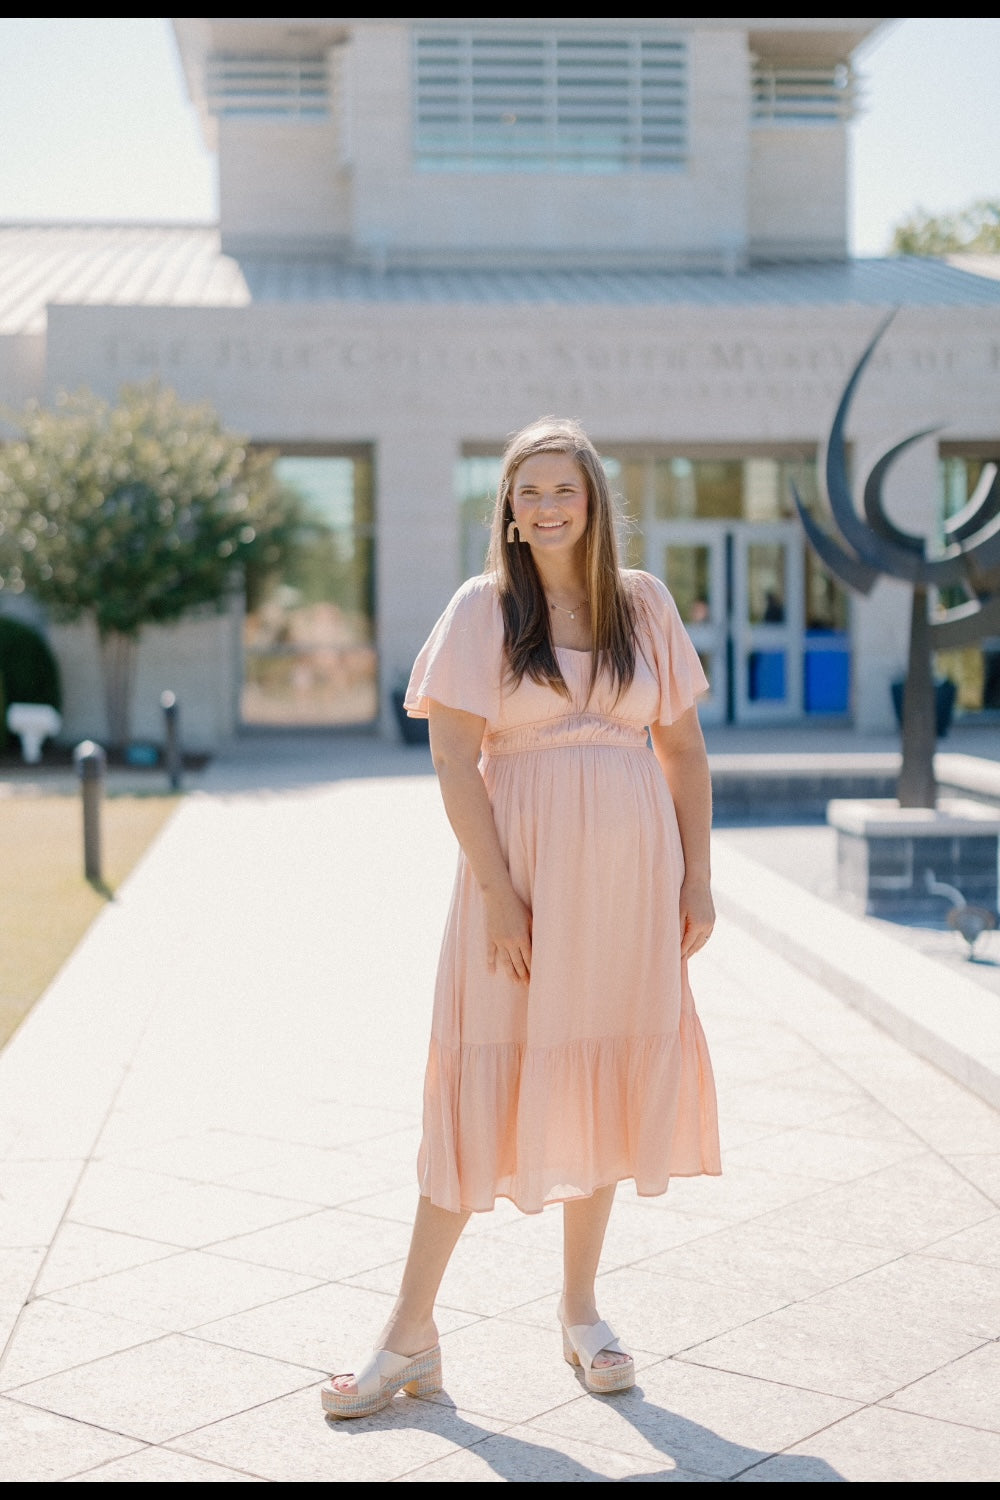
[884, 869]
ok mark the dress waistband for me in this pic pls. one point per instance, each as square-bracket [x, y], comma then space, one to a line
[572, 729]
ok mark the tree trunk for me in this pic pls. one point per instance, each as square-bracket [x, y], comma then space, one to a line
[917, 787]
[118, 659]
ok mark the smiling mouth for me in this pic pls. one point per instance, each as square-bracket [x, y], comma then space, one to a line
[550, 525]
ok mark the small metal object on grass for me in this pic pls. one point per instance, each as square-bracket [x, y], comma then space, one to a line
[90, 761]
[172, 754]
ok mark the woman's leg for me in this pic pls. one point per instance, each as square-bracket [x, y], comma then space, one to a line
[585, 1221]
[411, 1328]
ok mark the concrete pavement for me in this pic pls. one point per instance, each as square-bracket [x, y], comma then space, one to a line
[209, 1126]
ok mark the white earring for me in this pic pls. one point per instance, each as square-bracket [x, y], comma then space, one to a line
[511, 531]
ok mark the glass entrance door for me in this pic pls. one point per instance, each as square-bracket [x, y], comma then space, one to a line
[740, 590]
[768, 612]
[690, 557]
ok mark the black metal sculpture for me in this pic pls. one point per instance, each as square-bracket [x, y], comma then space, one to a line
[873, 546]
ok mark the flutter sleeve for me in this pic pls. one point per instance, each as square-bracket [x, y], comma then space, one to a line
[673, 657]
[459, 664]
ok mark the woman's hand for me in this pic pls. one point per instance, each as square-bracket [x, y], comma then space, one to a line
[456, 740]
[455, 746]
[680, 749]
[508, 934]
[697, 916]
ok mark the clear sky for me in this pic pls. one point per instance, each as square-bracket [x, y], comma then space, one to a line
[95, 123]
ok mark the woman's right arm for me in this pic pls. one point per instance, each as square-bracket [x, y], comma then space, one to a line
[456, 738]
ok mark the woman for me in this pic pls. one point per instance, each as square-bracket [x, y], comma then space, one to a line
[565, 1053]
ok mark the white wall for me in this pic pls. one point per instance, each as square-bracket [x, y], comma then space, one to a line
[351, 182]
[280, 185]
[699, 211]
[199, 660]
[22, 373]
[352, 178]
[416, 381]
[798, 192]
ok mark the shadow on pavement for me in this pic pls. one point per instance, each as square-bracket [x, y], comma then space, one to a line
[695, 1452]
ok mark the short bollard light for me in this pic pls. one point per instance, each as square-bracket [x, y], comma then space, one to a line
[172, 739]
[90, 761]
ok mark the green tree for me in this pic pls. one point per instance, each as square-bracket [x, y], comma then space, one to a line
[133, 514]
[974, 229]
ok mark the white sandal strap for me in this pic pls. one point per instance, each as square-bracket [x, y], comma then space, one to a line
[591, 1339]
[382, 1366]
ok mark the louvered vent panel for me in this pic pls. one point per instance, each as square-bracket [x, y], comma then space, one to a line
[267, 86]
[549, 101]
[804, 96]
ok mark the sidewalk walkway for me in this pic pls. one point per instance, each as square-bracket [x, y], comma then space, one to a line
[209, 1126]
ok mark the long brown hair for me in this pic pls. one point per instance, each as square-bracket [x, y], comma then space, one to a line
[526, 633]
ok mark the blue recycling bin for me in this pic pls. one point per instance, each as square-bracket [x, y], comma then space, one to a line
[827, 672]
[767, 677]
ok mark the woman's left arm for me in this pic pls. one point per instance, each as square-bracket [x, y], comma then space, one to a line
[680, 750]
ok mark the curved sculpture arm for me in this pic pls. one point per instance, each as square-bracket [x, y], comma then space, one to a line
[850, 570]
[855, 532]
[875, 550]
[981, 558]
[982, 505]
[966, 624]
[875, 510]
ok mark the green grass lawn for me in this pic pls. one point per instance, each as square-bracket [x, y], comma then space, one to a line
[46, 904]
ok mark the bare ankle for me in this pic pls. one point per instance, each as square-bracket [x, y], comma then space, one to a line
[408, 1333]
[577, 1308]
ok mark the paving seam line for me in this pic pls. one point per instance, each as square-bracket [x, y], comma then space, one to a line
[944, 1019]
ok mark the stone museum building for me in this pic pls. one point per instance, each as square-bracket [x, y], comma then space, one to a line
[432, 231]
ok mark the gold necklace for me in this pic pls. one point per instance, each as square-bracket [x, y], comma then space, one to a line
[571, 612]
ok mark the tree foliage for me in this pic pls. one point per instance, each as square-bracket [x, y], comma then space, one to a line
[134, 514]
[975, 229]
[137, 512]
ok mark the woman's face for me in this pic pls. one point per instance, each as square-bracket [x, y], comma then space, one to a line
[550, 503]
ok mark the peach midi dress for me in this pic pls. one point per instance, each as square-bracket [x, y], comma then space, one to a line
[598, 1071]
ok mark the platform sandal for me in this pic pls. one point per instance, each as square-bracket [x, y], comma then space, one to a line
[583, 1343]
[380, 1379]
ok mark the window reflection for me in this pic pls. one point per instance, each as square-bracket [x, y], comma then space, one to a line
[308, 639]
[766, 583]
[688, 577]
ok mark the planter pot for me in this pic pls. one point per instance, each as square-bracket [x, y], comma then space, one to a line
[945, 693]
[413, 731]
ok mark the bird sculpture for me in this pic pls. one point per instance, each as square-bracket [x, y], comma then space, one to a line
[872, 546]
[964, 918]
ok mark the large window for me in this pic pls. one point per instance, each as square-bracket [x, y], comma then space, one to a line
[308, 647]
[757, 489]
[542, 101]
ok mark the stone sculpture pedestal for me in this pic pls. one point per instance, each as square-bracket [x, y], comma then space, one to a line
[886, 852]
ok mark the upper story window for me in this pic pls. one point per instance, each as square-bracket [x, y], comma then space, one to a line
[803, 95]
[267, 87]
[549, 101]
